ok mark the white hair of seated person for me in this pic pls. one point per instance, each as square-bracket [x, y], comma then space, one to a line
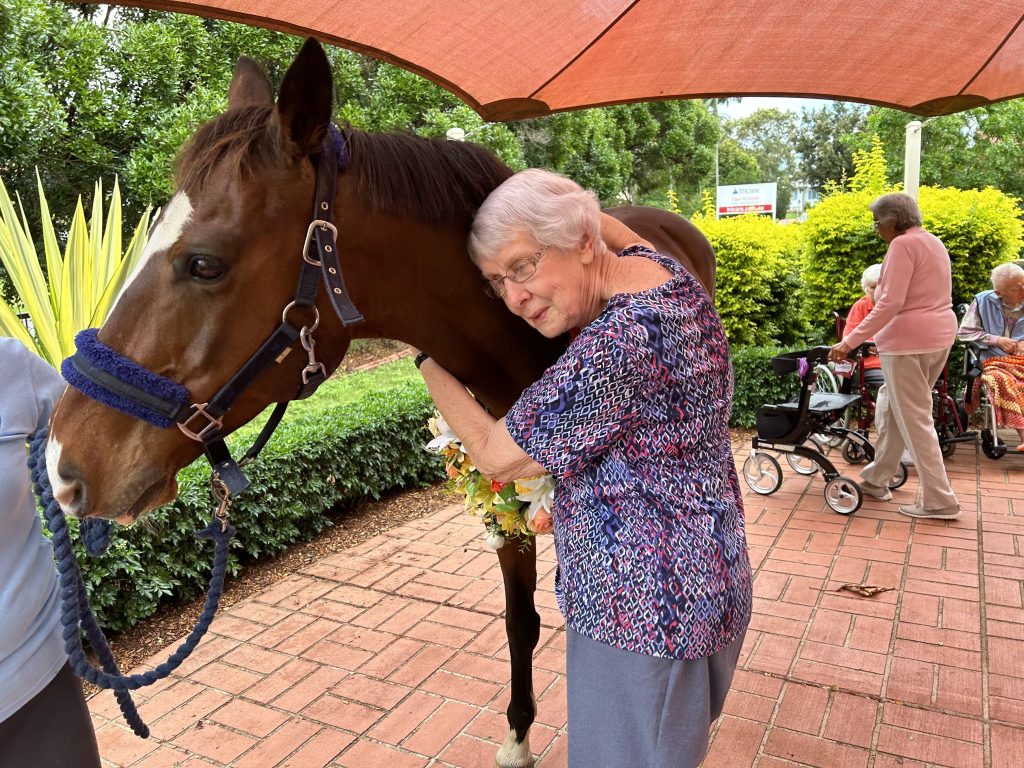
[869, 278]
[1007, 274]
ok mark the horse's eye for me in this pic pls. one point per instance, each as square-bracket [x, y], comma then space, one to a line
[205, 268]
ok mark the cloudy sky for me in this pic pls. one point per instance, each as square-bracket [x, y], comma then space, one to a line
[752, 103]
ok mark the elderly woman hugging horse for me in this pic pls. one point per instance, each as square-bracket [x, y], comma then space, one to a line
[654, 579]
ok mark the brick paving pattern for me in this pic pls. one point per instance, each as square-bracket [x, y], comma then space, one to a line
[393, 653]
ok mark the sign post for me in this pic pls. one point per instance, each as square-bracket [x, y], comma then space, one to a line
[734, 199]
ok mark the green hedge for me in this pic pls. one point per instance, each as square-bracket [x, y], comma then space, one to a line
[757, 285]
[756, 384]
[980, 229]
[326, 455]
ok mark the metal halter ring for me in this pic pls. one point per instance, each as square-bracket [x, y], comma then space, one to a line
[306, 328]
[324, 225]
[213, 423]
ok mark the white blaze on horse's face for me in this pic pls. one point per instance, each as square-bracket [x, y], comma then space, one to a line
[63, 491]
[165, 234]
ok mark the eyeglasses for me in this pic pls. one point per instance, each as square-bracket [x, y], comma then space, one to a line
[519, 272]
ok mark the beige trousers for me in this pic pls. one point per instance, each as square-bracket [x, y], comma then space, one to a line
[903, 419]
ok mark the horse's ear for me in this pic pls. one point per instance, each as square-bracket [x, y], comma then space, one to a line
[306, 99]
[250, 86]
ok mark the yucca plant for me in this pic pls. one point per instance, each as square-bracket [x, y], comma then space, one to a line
[80, 286]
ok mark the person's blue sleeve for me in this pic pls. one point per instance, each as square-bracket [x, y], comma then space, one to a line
[583, 403]
[47, 386]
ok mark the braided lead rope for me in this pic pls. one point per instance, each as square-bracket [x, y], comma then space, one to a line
[77, 616]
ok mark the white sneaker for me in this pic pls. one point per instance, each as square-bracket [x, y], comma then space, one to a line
[946, 513]
[907, 459]
[877, 491]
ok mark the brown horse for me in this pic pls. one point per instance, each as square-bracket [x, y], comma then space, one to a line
[221, 263]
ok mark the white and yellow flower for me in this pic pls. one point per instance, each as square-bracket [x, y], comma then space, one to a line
[519, 509]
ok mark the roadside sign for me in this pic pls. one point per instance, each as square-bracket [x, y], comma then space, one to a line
[734, 199]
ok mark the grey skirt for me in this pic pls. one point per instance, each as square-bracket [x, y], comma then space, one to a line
[627, 710]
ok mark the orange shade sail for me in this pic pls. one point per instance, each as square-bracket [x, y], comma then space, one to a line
[513, 59]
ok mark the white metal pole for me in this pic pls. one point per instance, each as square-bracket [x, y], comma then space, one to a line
[716, 173]
[912, 159]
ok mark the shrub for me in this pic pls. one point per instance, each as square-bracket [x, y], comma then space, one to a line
[317, 459]
[757, 285]
[756, 384]
[980, 228]
[79, 287]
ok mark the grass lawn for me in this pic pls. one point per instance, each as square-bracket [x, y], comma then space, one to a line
[347, 388]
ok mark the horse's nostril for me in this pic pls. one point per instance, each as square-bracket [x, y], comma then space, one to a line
[78, 498]
[69, 489]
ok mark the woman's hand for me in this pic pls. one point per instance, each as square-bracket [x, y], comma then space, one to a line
[1007, 344]
[839, 352]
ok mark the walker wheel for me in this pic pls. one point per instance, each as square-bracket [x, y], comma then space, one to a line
[830, 439]
[843, 495]
[854, 453]
[762, 473]
[802, 465]
[946, 434]
[899, 478]
[989, 446]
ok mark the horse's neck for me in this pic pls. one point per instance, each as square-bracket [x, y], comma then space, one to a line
[414, 282]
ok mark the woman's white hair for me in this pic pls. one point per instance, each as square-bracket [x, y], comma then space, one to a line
[1006, 273]
[550, 208]
[870, 276]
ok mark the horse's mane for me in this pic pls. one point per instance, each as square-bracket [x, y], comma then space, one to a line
[435, 180]
[239, 137]
[432, 179]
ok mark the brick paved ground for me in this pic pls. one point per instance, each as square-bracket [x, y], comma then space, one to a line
[393, 653]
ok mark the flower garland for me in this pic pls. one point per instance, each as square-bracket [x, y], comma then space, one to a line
[520, 509]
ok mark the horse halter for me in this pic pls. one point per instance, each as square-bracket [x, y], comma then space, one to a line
[109, 377]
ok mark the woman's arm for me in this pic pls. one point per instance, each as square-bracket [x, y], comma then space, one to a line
[618, 236]
[485, 438]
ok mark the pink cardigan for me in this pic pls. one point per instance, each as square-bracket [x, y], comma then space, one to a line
[913, 311]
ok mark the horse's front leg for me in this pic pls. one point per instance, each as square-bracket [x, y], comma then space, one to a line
[522, 625]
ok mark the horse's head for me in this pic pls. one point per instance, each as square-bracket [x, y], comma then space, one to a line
[219, 269]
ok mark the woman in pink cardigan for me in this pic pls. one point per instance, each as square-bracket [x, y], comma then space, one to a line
[914, 327]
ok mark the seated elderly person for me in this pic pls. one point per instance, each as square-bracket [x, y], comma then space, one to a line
[995, 323]
[871, 366]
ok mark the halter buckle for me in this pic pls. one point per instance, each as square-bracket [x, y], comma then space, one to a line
[324, 225]
[213, 423]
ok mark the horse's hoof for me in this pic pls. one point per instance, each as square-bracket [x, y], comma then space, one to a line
[514, 754]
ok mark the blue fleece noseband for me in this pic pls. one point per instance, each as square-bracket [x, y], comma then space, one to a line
[110, 378]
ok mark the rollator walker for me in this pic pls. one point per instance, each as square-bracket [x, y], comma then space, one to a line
[802, 429]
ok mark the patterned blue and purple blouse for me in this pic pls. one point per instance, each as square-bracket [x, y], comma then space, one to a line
[633, 423]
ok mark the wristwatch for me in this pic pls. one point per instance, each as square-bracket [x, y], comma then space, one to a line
[418, 360]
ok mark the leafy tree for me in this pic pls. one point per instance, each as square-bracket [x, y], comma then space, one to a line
[117, 92]
[96, 91]
[969, 150]
[374, 96]
[824, 141]
[628, 153]
[767, 134]
[736, 165]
